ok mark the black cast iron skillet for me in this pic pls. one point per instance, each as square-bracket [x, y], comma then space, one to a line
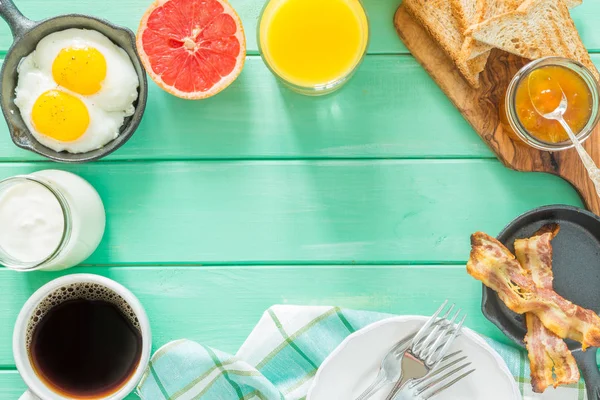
[26, 35]
[576, 267]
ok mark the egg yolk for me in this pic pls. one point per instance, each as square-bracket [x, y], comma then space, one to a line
[60, 115]
[81, 70]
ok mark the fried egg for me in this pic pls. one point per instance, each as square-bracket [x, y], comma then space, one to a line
[75, 90]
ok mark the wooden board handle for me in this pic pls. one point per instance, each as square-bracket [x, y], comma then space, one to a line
[571, 168]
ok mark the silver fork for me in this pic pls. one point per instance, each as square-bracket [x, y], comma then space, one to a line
[438, 381]
[428, 347]
[390, 368]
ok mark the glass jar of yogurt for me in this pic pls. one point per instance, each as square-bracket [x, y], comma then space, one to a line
[51, 220]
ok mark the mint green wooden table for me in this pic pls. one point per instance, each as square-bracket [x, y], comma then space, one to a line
[220, 208]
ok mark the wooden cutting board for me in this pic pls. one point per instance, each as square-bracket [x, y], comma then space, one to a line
[480, 108]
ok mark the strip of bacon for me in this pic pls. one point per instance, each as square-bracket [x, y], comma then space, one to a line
[547, 354]
[491, 263]
[540, 362]
[535, 255]
[551, 361]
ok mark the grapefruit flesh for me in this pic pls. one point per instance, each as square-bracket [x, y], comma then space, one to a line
[192, 48]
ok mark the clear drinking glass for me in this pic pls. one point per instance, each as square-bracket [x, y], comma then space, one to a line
[317, 89]
[83, 219]
[511, 111]
[13, 262]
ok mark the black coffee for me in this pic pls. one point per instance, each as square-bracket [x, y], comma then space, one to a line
[85, 347]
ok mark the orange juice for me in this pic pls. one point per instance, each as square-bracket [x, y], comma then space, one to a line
[313, 43]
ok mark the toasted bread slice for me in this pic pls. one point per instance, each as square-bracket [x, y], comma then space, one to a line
[538, 28]
[490, 9]
[437, 18]
[494, 8]
[573, 3]
[477, 64]
[467, 12]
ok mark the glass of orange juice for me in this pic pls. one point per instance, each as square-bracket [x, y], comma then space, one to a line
[313, 46]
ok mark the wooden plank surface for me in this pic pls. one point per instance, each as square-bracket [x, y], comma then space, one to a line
[219, 306]
[11, 385]
[369, 211]
[257, 119]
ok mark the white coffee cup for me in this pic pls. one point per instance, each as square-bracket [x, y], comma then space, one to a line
[38, 390]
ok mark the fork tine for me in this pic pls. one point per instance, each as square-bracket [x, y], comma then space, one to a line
[419, 342]
[433, 318]
[451, 355]
[441, 369]
[437, 391]
[436, 356]
[443, 344]
[445, 331]
[431, 381]
[432, 333]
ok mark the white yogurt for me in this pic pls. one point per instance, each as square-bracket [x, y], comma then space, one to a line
[35, 227]
[32, 222]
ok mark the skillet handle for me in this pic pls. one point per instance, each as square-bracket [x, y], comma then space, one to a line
[19, 24]
[586, 360]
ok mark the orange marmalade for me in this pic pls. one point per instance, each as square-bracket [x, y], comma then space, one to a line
[577, 115]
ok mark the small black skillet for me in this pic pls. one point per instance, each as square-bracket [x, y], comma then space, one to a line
[27, 34]
[576, 267]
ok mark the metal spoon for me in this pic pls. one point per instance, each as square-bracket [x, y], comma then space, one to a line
[554, 91]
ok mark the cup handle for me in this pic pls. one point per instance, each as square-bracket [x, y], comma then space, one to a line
[19, 24]
[28, 395]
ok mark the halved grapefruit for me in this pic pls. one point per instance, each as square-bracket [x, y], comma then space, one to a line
[193, 49]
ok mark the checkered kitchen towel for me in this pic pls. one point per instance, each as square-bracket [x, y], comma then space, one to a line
[280, 358]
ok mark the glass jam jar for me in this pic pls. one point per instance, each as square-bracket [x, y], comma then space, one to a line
[509, 114]
[51, 220]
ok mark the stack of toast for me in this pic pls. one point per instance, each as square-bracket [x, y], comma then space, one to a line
[467, 30]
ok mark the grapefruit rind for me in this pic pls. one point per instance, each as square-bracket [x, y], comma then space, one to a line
[194, 95]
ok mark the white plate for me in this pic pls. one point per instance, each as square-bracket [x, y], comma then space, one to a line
[354, 364]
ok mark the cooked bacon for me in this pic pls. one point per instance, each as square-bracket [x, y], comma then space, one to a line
[547, 354]
[540, 362]
[491, 263]
[551, 361]
[535, 255]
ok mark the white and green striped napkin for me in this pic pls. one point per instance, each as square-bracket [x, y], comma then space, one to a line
[280, 358]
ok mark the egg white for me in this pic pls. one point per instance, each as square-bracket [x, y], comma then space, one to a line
[107, 108]
[119, 89]
[104, 125]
